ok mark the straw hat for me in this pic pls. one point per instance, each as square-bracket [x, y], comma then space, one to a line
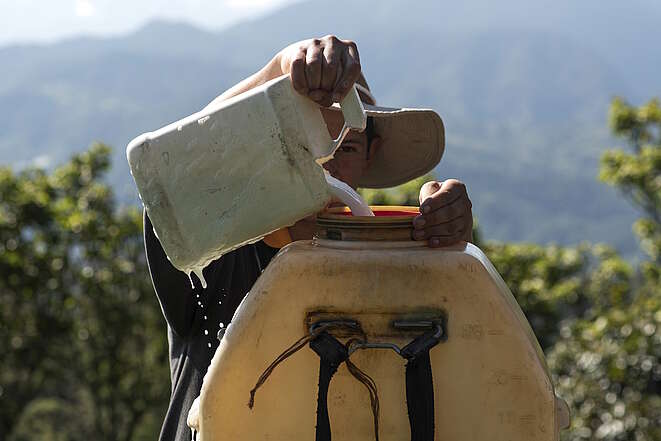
[413, 141]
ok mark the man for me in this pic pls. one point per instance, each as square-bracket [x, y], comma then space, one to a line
[324, 70]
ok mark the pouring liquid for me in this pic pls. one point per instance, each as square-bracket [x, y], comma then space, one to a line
[348, 196]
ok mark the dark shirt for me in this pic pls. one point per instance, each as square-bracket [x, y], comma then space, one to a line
[194, 316]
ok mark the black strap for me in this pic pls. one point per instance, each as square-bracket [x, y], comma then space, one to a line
[331, 353]
[420, 386]
[419, 382]
[420, 397]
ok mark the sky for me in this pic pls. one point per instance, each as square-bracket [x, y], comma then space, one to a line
[43, 21]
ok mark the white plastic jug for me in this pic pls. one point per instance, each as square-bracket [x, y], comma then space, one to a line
[234, 172]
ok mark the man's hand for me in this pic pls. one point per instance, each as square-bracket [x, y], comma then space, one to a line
[322, 69]
[446, 215]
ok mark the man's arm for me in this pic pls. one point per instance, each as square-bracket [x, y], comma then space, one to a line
[323, 69]
[172, 286]
[270, 71]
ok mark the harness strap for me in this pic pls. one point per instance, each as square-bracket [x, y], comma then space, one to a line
[420, 386]
[331, 353]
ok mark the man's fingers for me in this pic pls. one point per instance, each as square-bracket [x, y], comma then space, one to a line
[313, 66]
[298, 73]
[350, 72]
[454, 210]
[322, 69]
[321, 97]
[330, 62]
[444, 241]
[428, 189]
[455, 226]
[338, 76]
[352, 51]
[450, 191]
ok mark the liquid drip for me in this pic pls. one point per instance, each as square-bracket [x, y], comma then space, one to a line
[198, 273]
[348, 196]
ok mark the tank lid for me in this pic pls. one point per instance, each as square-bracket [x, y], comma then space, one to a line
[389, 223]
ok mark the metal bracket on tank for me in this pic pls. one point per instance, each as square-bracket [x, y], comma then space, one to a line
[400, 324]
[404, 325]
[317, 328]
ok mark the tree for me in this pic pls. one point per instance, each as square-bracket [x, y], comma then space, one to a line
[637, 174]
[608, 367]
[76, 305]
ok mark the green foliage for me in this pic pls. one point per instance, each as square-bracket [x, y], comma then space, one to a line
[608, 363]
[76, 305]
[45, 419]
[638, 174]
[609, 371]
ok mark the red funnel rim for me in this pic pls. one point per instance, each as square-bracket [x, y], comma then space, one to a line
[394, 211]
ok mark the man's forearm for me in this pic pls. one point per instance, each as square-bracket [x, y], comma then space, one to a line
[270, 71]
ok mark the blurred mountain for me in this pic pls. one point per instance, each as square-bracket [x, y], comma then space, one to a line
[523, 88]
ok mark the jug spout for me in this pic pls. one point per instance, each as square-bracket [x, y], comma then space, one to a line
[350, 197]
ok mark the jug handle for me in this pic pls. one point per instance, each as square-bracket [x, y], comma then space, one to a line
[354, 118]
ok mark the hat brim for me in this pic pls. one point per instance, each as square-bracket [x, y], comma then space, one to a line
[412, 144]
